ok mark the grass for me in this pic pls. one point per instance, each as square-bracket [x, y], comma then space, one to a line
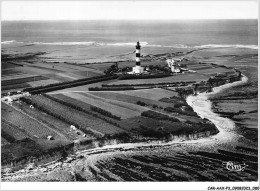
[11, 132]
[158, 116]
[84, 120]
[51, 121]
[9, 72]
[128, 98]
[15, 86]
[22, 80]
[175, 78]
[30, 126]
[153, 94]
[7, 65]
[123, 109]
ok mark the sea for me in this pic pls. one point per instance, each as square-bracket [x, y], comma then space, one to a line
[114, 40]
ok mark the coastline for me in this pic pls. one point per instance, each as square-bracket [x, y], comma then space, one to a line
[226, 133]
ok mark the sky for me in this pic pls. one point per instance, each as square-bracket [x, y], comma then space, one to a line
[128, 10]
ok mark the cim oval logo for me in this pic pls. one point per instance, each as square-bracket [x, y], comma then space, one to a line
[232, 166]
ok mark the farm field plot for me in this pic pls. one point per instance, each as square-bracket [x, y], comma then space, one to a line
[127, 98]
[7, 65]
[124, 112]
[69, 75]
[88, 74]
[16, 76]
[100, 67]
[16, 133]
[176, 78]
[216, 70]
[78, 68]
[52, 122]
[200, 67]
[73, 101]
[36, 71]
[78, 117]
[153, 94]
[30, 125]
[14, 87]
[84, 87]
[56, 77]
[123, 104]
[9, 72]
[22, 80]
[42, 82]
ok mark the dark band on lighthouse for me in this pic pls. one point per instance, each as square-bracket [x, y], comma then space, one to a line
[137, 54]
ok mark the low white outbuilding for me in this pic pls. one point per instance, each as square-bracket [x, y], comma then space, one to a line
[50, 137]
[73, 127]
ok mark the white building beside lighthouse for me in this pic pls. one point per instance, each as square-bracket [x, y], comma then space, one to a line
[138, 69]
[173, 65]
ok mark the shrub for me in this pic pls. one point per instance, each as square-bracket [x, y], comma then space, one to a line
[110, 88]
[126, 77]
[141, 103]
[180, 111]
[159, 116]
[104, 112]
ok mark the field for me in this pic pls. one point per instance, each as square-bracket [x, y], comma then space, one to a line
[77, 117]
[42, 82]
[31, 126]
[153, 94]
[13, 131]
[175, 78]
[22, 80]
[122, 109]
[19, 82]
[59, 125]
[14, 87]
[7, 72]
[128, 98]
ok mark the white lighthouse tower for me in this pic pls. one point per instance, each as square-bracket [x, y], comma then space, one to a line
[138, 69]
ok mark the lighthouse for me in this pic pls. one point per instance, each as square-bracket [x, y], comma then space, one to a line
[137, 54]
[138, 69]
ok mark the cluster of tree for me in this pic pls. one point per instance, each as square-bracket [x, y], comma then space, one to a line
[161, 68]
[141, 103]
[148, 132]
[63, 85]
[118, 136]
[112, 69]
[188, 111]
[143, 76]
[104, 112]
[183, 92]
[176, 100]
[151, 84]
[159, 116]
[110, 88]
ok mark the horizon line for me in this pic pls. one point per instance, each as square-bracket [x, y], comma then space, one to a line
[194, 19]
